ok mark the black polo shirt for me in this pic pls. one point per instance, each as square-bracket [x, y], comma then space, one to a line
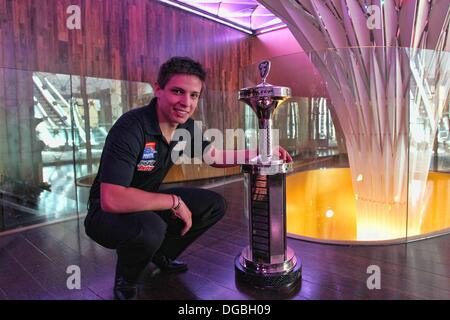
[137, 155]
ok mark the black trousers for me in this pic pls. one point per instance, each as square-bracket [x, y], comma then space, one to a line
[138, 236]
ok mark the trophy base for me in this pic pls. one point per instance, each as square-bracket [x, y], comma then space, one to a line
[271, 281]
[272, 168]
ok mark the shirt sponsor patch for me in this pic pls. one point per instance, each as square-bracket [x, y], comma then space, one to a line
[148, 157]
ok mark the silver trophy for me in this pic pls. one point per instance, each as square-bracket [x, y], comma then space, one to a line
[267, 262]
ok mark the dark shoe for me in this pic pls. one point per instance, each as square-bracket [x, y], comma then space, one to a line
[168, 265]
[124, 289]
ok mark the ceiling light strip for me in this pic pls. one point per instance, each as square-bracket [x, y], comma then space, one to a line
[206, 15]
[264, 30]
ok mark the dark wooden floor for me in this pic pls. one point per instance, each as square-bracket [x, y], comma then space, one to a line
[33, 266]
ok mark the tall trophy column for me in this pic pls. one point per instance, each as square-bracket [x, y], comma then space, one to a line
[267, 262]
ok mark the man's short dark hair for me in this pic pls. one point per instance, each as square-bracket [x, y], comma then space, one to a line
[179, 65]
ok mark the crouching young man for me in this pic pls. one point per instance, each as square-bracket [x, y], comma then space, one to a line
[127, 210]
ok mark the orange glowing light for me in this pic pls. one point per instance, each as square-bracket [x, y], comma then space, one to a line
[321, 205]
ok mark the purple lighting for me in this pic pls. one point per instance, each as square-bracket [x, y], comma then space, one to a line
[245, 15]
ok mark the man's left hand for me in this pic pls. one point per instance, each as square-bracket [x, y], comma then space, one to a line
[282, 154]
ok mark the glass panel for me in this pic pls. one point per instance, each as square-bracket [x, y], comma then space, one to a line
[306, 130]
[441, 150]
[429, 178]
[53, 128]
[37, 182]
[97, 104]
[361, 172]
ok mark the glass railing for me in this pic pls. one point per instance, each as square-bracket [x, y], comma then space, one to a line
[371, 168]
[53, 128]
[53, 131]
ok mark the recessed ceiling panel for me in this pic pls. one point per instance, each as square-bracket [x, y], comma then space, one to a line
[247, 14]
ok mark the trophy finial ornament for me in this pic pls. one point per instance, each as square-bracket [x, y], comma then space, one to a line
[264, 99]
[264, 69]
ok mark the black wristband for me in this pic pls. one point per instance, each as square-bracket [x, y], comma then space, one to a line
[178, 204]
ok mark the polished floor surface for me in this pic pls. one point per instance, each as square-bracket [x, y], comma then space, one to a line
[33, 265]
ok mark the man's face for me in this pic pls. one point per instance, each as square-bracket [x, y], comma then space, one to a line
[179, 98]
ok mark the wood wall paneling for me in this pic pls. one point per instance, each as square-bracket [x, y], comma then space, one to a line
[119, 39]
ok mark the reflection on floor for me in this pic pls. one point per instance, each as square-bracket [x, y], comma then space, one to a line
[50, 206]
[33, 265]
[442, 162]
[26, 205]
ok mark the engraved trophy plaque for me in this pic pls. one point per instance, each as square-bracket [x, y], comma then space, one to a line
[267, 262]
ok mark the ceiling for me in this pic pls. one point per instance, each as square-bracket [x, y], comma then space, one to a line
[245, 15]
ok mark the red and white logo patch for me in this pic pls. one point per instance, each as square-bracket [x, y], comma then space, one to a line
[148, 157]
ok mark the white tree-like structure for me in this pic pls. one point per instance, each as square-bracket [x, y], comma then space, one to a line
[386, 67]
